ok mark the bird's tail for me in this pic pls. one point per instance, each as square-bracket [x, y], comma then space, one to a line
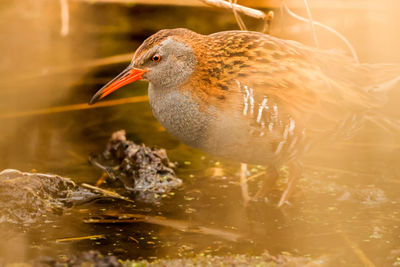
[383, 83]
[372, 88]
[383, 121]
[381, 78]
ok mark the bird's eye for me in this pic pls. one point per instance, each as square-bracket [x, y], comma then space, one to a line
[156, 58]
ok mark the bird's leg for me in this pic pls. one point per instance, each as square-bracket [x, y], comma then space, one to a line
[295, 170]
[243, 183]
[269, 181]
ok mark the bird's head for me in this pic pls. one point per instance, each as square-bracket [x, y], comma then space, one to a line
[166, 59]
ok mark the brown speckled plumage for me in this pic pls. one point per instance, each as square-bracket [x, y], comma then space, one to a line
[255, 98]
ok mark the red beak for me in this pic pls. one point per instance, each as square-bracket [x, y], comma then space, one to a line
[129, 75]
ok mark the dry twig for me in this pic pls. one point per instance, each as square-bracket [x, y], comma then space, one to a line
[107, 193]
[74, 107]
[356, 249]
[325, 27]
[64, 14]
[239, 8]
[261, 15]
[175, 224]
[268, 21]
[76, 67]
[91, 237]
[310, 21]
[239, 20]
[243, 183]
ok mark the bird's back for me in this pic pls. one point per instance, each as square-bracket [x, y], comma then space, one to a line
[260, 99]
[281, 96]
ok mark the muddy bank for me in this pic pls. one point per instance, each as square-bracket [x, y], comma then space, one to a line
[26, 198]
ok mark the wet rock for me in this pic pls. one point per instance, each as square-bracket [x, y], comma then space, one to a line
[145, 171]
[27, 197]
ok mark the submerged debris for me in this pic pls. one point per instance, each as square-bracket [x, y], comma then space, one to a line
[87, 258]
[145, 171]
[26, 197]
[236, 260]
[324, 184]
[184, 226]
[371, 195]
[94, 258]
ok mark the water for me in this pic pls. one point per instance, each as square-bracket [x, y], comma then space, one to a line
[329, 208]
[345, 210]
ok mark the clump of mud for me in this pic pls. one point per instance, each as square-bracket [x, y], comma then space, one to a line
[145, 171]
[26, 197]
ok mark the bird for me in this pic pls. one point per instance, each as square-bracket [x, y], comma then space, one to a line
[255, 98]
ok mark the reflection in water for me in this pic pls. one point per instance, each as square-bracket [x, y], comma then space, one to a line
[346, 202]
[329, 207]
